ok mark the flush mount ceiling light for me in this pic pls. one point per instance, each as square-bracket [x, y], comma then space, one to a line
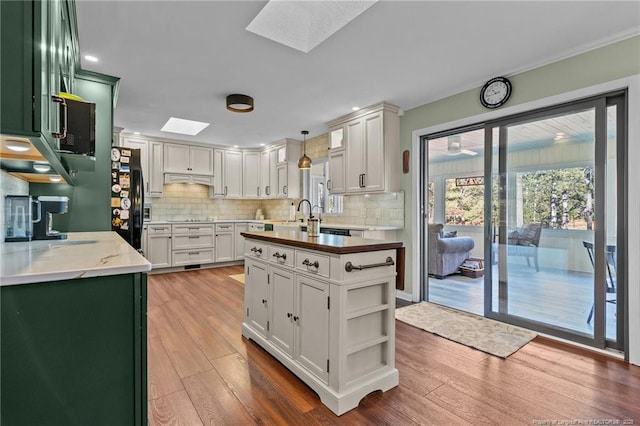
[184, 127]
[304, 163]
[239, 103]
[303, 25]
[18, 146]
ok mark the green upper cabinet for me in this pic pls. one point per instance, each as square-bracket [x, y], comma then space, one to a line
[38, 63]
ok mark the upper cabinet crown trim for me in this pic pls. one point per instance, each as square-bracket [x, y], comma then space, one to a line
[380, 106]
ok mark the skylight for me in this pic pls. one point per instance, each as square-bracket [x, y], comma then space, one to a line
[184, 127]
[303, 25]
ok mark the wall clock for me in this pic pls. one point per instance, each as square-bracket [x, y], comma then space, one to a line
[495, 92]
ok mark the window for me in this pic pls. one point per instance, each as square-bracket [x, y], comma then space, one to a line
[315, 188]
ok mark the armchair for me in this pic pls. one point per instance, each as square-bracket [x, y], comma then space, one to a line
[446, 254]
[524, 242]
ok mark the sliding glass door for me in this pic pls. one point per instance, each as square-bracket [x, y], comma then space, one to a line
[538, 199]
[557, 247]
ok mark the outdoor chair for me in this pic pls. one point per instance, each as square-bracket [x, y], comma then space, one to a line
[524, 242]
[446, 252]
[611, 271]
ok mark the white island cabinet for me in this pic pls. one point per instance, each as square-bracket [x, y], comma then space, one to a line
[324, 307]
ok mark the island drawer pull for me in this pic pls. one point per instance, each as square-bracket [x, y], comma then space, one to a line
[194, 236]
[279, 256]
[349, 266]
[256, 250]
[315, 264]
[193, 252]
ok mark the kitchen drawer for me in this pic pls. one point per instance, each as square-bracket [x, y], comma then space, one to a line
[158, 229]
[193, 229]
[192, 241]
[368, 265]
[192, 257]
[312, 263]
[281, 255]
[253, 248]
[224, 227]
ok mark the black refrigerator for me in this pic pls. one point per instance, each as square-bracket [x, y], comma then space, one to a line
[127, 194]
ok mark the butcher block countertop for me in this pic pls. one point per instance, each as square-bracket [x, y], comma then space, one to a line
[326, 243]
[81, 255]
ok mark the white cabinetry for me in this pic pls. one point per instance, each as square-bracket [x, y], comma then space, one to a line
[269, 173]
[227, 181]
[327, 317]
[193, 244]
[336, 182]
[372, 147]
[225, 251]
[188, 159]
[238, 241]
[251, 174]
[151, 159]
[159, 245]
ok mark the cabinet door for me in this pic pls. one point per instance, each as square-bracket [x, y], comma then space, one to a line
[283, 181]
[256, 294]
[233, 174]
[273, 173]
[201, 160]
[373, 178]
[155, 176]
[217, 190]
[238, 241]
[312, 331]
[143, 146]
[264, 174]
[282, 317]
[224, 247]
[176, 158]
[355, 155]
[159, 250]
[251, 174]
[336, 183]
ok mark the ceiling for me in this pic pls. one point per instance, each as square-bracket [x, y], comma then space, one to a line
[182, 58]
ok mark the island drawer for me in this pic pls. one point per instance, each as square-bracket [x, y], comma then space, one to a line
[192, 257]
[192, 241]
[281, 255]
[368, 265]
[159, 229]
[193, 229]
[312, 262]
[257, 249]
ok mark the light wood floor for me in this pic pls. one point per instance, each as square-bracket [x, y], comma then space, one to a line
[202, 371]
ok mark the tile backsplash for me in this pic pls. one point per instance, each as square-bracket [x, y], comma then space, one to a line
[183, 201]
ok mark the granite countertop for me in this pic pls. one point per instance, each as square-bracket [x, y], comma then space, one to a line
[81, 255]
[326, 243]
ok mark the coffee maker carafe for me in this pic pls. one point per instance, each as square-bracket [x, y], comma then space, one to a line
[17, 215]
[44, 208]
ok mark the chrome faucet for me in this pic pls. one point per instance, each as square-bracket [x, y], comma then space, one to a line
[310, 208]
[319, 212]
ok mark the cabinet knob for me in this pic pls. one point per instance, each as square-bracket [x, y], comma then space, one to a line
[289, 314]
[296, 318]
[264, 301]
[307, 263]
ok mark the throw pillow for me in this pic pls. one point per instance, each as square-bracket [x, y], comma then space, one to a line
[450, 234]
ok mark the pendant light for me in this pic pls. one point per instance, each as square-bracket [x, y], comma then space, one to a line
[304, 163]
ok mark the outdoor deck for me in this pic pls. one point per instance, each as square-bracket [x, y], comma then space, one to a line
[552, 296]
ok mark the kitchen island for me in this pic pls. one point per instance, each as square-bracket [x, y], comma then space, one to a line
[325, 307]
[73, 331]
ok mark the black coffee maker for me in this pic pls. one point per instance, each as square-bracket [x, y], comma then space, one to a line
[43, 208]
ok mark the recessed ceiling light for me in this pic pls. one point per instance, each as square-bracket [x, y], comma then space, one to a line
[18, 146]
[303, 25]
[235, 146]
[42, 168]
[136, 133]
[55, 178]
[184, 127]
[355, 108]
[261, 144]
[91, 58]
